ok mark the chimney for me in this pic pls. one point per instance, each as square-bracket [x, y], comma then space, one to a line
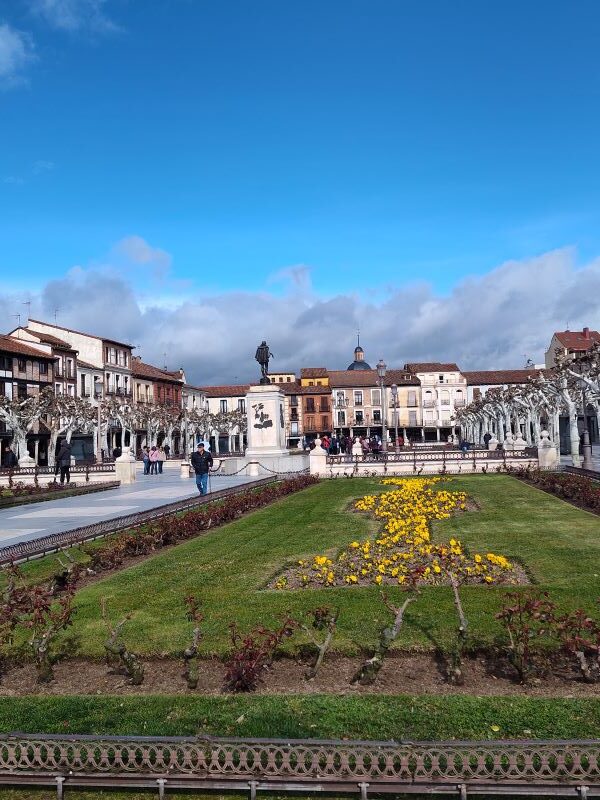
[586, 333]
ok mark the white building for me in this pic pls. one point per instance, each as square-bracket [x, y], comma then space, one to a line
[443, 392]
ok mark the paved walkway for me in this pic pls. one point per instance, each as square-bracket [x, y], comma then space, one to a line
[55, 516]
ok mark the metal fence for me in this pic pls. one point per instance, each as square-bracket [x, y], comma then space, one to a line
[36, 548]
[78, 469]
[168, 765]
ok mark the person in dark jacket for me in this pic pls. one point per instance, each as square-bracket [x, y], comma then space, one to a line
[63, 460]
[202, 462]
[10, 459]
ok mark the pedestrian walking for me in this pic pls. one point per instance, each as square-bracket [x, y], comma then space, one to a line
[10, 459]
[162, 457]
[146, 460]
[63, 461]
[153, 460]
[167, 450]
[202, 461]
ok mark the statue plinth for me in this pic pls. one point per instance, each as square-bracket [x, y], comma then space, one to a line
[265, 407]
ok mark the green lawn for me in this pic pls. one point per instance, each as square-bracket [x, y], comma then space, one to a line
[229, 567]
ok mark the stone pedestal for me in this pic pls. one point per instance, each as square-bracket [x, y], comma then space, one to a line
[125, 467]
[357, 449]
[492, 443]
[520, 443]
[266, 422]
[547, 452]
[318, 459]
[26, 461]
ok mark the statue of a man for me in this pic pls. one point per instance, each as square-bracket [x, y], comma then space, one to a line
[263, 354]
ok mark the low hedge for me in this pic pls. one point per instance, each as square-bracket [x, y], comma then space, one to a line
[577, 489]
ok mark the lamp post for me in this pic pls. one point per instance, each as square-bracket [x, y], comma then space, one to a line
[381, 370]
[98, 393]
[395, 402]
[587, 446]
[184, 400]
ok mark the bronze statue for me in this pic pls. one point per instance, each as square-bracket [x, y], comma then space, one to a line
[263, 354]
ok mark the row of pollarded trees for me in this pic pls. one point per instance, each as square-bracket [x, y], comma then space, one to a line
[570, 390]
[63, 416]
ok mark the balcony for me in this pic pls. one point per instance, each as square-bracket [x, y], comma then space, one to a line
[460, 403]
[429, 404]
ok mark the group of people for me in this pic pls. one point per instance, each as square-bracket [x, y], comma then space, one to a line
[342, 445]
[153, 458]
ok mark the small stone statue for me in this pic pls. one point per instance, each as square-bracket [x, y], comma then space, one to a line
[263, 354]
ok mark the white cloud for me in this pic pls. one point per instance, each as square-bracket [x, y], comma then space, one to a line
[138, 253]
[39, 167]
[75, 15]
[16, 53]
[488, 321]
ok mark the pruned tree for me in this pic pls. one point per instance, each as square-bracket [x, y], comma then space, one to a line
[20, 417]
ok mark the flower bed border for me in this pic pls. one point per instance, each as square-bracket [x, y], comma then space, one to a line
[524, 475]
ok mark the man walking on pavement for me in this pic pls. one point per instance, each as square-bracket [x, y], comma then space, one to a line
[202, 462]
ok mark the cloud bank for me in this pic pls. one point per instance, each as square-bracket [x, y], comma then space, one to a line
[492, 321]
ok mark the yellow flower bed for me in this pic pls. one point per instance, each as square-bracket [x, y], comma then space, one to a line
[403, 552]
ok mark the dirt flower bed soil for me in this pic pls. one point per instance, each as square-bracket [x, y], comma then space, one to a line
[415, 674]
[403, 551]
[23, 494]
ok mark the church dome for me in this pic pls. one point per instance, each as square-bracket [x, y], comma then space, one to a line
[359, 359]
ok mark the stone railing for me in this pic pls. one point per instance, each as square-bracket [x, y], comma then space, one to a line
[420, 461]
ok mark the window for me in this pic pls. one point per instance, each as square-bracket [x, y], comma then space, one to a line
[310, 405]
[43, 368]
[69, 368]
[324, 405]
[242, 406]
[223, 406]
[375, 397]
[377, 415]
[324, 423]
[441, 378]
[359, 418]
[358, 398]
[428, 400]
[476, 394]
[6, 363]
[412, 417]
[294, 400]
[58, 388]
[341, 418]
[71, 390]
[311, 383]
[289, 380]
[21, 390]
[412, 397]
[310, 423]
[445, 398]
[340, 398]
[22, 365]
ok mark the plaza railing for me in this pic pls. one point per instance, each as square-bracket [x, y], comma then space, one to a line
[52, 543]
[167, 765]
[442, 456]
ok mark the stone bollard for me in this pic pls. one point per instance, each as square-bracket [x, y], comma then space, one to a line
[547, 452]
[318, 459]
[185, 470]
[125, 467]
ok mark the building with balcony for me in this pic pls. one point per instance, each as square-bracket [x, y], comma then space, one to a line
[443, 391]
[154, 386]
[25, 370]
[65, 365]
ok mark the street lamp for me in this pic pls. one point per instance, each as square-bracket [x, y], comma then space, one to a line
[184, 400]
[395, 402]
[381, 370]
[98, 393]
[587, 445]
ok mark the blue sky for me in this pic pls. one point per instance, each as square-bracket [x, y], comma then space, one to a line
[377, 143]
